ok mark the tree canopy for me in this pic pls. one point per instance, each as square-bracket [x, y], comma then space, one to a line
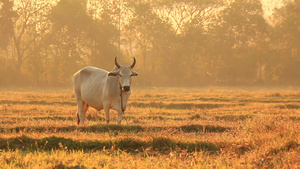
[176, 43]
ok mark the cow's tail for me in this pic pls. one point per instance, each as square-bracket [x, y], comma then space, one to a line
[78, 119]
[75, 80]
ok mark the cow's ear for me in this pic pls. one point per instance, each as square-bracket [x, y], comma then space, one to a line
[133, 73]
[113, 73]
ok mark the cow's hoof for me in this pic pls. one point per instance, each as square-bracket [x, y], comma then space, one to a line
[80, 125]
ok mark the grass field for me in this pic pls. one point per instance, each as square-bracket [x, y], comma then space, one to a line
[163, 128]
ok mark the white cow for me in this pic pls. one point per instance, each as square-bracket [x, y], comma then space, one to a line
[101, 89]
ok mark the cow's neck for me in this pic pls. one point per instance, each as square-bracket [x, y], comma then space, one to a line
[117, 91]
[124, 98]
[122, 102]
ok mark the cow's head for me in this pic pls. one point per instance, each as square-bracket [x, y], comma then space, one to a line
[125, 73]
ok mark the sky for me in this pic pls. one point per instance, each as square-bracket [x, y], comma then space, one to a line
[269, 5]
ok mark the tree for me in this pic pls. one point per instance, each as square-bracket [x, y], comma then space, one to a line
[182, 12]
[70, 22]
[152, 38]
[103, 35]
[239, 33]
[6, 16]
[192, 52]
[31, 16]
[286, 37]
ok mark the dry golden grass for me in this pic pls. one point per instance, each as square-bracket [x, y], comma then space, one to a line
[163, 128]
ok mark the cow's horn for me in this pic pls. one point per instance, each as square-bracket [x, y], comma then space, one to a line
[116, 62]
[133, 64]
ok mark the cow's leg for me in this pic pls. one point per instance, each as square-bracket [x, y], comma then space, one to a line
[120, 115]
[85, 108]
[118, 108]
[106, 110]
[80, 112]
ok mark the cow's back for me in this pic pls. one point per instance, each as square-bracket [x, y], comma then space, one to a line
[88, 84]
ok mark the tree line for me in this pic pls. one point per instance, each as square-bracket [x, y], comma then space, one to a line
[176, 43]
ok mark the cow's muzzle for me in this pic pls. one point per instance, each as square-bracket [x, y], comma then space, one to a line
[126, 88]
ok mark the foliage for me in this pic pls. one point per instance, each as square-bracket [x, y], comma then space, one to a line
[287, 35]
[176, 43]
[239, 34]
[6, 16]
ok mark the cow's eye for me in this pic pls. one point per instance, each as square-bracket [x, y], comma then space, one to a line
[120, 75]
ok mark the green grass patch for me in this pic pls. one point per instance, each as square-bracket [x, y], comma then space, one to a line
[94, 128]
[127, 144]
[234, 117]
[197, 117]
[194, 128]
[102, 128]
[200, 128]
[37, 102]
[182, 105]
[290, 106]
[291, 145]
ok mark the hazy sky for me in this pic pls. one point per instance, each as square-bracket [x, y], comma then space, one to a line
[269, 5]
